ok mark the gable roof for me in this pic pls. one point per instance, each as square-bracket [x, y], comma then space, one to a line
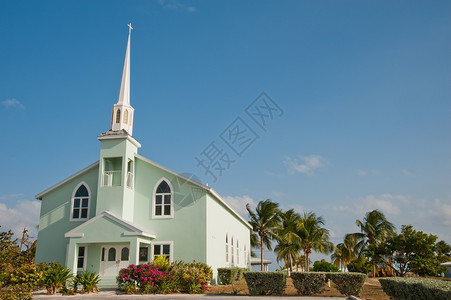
[135, 229]
[39, 196]
[198, 184]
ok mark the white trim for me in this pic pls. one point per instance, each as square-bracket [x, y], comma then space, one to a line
[120, 136]
[74, 235]
[171, 216]
[171, 249]
[71, 218]
[39, 196]
[208, 189]
[136, 229]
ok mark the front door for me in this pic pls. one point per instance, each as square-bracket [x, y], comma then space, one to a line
[113, 258]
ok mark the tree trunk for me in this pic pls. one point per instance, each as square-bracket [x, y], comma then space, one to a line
[306, 259]
[261, 257]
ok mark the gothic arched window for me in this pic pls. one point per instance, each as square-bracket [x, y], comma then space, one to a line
[80, 203]
[163, 207]
[125, 116]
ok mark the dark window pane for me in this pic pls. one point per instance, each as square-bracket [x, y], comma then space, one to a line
[157, 250]
[158, 199]
[124, 254]
[143, 253]
[103, 254]
[84, 213]
[112, 254]
[81, 251]
[80, 263]
[166, 250]
[76, 203]
[82, 192]
[158, 210]
[167, 210]
[167, 199]
[84, 202]
[163, 187]
[75, 214]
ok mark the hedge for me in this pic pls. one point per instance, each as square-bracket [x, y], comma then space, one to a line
[265, 283]
[309, 283]
[349, 284]
[416, 288]
[231, 275]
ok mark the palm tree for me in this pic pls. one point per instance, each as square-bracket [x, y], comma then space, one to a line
[263, 221]
[313, 236]
[373, 229]
[344, 252]
[288, 242]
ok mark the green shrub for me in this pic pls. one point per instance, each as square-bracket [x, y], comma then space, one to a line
[324, 266]
[416, 288]
[309, 283]
[349, 284]
[265, 283]
[16, 292]
[88, 280]
[55, 277]
[231, 275]
[359, 265]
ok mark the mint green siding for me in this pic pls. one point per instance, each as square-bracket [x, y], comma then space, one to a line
[187, 229]
[55, 221]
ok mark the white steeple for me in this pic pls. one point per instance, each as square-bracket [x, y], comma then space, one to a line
[122, 115]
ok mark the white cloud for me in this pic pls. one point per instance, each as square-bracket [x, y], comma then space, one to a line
[238, 203]
[12, 103]
[24, 214]
[279, 194]
[441, 211]
[387, 203]
[407, 173]
[174, 4]
[304, 164]
[361, 173]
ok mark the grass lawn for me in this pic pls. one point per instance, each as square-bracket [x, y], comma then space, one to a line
[372, 290]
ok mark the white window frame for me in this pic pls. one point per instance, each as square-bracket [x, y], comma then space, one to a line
[85, 257]
[154, 200]
[171, 249]
[71, 218]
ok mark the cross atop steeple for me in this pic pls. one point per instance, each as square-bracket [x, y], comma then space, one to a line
[122, 116]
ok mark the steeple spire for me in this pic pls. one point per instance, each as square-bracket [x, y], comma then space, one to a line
[122, 116]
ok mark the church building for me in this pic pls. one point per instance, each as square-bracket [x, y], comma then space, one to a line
[126, 209]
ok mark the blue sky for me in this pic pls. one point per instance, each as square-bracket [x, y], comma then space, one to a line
[364, 87]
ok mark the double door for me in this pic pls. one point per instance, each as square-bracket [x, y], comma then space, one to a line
[113, 258]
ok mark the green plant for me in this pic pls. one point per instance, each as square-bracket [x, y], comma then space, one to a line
[231, 275]
[15, 292]
[88, 281]
[309, 283]
[265, 283]
[324, 266]
[416, 288]
[55, 277]
[349, 284]
[360, 265]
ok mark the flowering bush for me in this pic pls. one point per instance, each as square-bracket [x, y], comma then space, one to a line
[152, 278]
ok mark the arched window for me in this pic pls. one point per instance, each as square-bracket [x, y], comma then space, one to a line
[163, 200]
[118, 116]
[227, 249]
[125, 116]
[112, 254]
[80, 203]
[124, 254]
[233, 255]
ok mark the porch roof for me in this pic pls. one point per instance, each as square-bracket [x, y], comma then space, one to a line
[131, 228]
